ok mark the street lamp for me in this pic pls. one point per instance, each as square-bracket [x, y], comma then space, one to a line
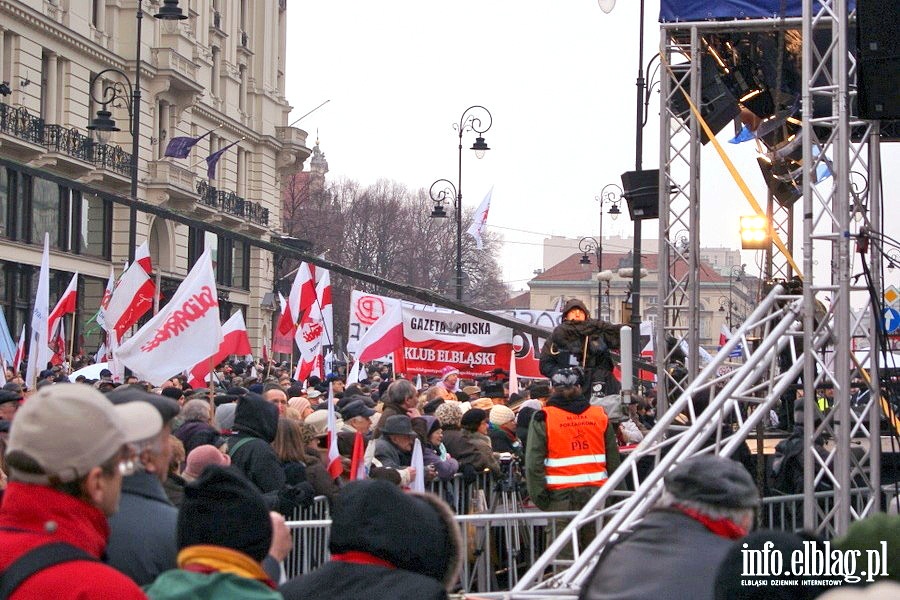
[588, 246]
[607, 6]
[734, 274]
[116, 92]
[472, 119]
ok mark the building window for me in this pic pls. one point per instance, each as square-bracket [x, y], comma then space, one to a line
[4, 202]
[91, 225]
[215, 82]
[240, 265]
[46, 215]
[242, 93]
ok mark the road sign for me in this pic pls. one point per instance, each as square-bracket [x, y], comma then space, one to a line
[890, 320]
[892, 296]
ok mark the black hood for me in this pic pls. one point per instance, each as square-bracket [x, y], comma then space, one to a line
[413, 532]
[575, 303]
[256, 417]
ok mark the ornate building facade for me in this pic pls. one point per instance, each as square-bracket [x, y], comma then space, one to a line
[218, 75]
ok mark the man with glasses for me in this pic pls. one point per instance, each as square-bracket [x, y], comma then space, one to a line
[67, 455]
[142, 541]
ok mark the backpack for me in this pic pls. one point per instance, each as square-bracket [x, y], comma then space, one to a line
[38, 559]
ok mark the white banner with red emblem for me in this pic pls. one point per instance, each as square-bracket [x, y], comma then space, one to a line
[365, 309]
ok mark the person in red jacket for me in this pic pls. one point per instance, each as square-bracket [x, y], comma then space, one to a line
[67, 454]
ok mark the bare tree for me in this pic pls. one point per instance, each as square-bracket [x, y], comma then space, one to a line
[386, 229]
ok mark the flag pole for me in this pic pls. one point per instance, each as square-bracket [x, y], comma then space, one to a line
[72, 345]
[156, 294]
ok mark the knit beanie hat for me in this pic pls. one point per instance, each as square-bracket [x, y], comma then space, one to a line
[449, 413]
[500, 415]
[222, 508]
[473, 419]
[201, 457]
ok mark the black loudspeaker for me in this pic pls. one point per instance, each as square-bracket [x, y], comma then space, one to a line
[717, 105]
[878, 54]
[641, 193]
[784, 192]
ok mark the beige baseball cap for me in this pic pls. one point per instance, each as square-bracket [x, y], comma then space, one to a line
[70, 428]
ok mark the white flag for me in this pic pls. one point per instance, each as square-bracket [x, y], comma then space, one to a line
[417, 463]
[479, 219]
[39, 352]
[185, 332]
[513, 376]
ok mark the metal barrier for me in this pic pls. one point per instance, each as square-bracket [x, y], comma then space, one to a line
[502, 544]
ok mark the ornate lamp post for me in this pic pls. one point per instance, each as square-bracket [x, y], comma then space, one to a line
[123, 92]
[478, 119]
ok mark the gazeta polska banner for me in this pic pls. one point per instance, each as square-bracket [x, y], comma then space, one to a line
[433, 340]
[365, 309]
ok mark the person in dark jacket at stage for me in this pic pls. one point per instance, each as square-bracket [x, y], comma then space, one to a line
[385, 544]
[580, 341]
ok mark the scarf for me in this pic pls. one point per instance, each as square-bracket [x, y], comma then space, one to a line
[218, 559]
[359, 557]
[725, 528]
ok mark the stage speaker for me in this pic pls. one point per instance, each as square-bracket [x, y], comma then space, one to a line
[641, 193]
[717, 105]
[878, 56]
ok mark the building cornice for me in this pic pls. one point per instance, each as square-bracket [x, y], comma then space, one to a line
[81, 46]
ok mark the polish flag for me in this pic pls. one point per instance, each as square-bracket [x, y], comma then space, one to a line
[131, 298]
[65, 306]
[58, 345]
[724, 335]
[357, 460]
[235, 341]
[185, 332]
[142, 257]
[513, 376]
[315, 331]
[384, 336]
[334, 458]
[323, 305]
[283, 342]
[20, 351]
[417, 462]
[38, 349]
[302, 296]
[265, 353]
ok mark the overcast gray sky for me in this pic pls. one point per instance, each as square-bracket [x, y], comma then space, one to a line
[558, 77]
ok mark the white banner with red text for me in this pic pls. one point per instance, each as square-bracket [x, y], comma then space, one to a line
[366, 308]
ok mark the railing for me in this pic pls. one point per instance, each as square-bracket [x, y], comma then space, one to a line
[502, 543]
[231, 203]
[19, 123]
[69, 141]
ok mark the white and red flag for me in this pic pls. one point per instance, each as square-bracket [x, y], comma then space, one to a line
[283, 342]
[315, 331]
[302, 296]
[358, 459]
[234, 341]
[38, 350]
[334, 466]
[479, 220]
[384, 336]
[64, 306]
[185, 332]
[513, 376]
[130, 300]
[20, 352]
[142, 257]
[58, 344]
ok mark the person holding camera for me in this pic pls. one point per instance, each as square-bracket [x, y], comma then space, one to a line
[580, 341]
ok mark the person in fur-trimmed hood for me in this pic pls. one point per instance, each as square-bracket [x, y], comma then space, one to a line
[580, 341]
[385, 543]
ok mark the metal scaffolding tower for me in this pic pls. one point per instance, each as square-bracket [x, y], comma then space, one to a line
[812, 327]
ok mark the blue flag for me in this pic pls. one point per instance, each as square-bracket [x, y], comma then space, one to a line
[745, 135]
[180, 147]
[213, 159]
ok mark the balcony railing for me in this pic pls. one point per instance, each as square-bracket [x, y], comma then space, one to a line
[231, 203]
[19, 123]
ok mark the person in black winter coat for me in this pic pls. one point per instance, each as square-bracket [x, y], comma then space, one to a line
[385, 544]
[251, 451]
[580, 341]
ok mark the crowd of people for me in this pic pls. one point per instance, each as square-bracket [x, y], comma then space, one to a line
[128, 490]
